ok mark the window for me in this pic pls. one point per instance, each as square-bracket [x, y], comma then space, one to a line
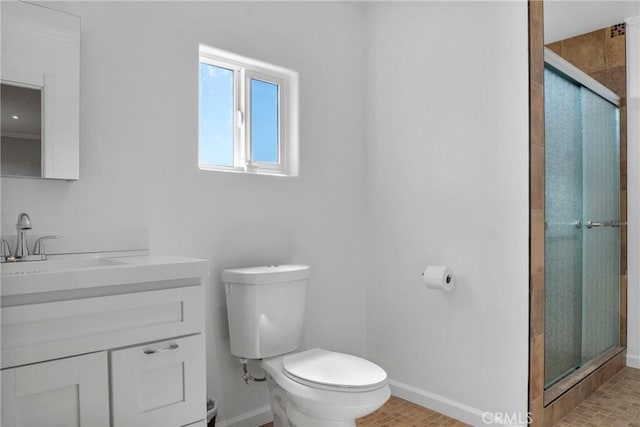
[248, 115]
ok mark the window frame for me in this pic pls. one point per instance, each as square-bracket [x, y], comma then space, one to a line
[247, 69]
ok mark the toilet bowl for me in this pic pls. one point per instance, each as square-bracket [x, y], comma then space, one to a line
[320, 388]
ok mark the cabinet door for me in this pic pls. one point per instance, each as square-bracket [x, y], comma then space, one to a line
[65, 392]
[159, 384]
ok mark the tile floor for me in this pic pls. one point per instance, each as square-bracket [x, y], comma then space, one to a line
[615, 404]
[400, 413]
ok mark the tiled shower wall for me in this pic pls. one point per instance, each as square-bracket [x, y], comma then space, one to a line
[601, 54]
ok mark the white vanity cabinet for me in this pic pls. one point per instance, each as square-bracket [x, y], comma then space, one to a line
[129, 351]
[65, 392]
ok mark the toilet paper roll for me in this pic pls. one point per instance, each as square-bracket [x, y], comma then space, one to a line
[439, 277]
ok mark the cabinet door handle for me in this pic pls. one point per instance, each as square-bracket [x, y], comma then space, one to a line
[161, 350]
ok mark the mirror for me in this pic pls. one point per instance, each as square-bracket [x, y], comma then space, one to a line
[21, 137]
[39, 91]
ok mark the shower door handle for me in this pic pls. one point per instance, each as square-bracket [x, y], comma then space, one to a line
[616, 224]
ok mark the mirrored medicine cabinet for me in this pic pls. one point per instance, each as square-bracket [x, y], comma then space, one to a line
[39, 91]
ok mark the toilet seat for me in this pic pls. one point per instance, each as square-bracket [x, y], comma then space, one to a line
[330, 370]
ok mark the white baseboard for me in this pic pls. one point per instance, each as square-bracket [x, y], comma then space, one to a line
[633, 361]
[254, 418]
[437, 403]
[449, 407]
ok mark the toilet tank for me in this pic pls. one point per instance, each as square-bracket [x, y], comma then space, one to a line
[265, 308]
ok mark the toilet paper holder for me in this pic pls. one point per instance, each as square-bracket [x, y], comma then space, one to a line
[439, 277]
[448, 279]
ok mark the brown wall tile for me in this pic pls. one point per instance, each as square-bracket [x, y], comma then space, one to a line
[536, 367]
[537, 241]
[537, 305]
[536, 49]
[536, 102]
[536, 10]
[556, 47]
[586, 51]
[613, 78]
[537, 178]
[536, 218]
[536, 408]
[615, 51]
[560, 407]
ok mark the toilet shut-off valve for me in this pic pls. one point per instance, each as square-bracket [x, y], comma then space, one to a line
[246, 376]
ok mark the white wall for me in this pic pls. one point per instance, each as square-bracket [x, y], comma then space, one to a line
[448, 184]
[633, 184]
[139, 88]
[414, 151]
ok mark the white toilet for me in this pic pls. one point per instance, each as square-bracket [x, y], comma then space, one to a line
[311, 388]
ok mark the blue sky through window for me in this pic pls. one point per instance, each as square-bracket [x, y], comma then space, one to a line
[216, 115]
[264, 121]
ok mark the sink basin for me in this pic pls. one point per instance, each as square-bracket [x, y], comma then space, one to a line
[55, 264]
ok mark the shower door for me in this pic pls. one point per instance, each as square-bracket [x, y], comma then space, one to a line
[582, 228]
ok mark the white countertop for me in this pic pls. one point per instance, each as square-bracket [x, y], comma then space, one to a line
[95, 274]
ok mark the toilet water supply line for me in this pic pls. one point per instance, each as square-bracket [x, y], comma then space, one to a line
[246, 376]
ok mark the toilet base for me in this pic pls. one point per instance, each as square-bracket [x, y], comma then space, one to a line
[287, 415]
[278, 402]
[300, 419]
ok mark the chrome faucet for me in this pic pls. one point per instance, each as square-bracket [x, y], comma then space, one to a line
[24, 224]
[22, 250]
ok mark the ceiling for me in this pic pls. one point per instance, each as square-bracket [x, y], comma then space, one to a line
[563, 19]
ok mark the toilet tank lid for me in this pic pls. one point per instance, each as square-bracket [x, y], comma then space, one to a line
[265, 274]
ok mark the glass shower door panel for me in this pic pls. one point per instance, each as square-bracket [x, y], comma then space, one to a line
[563, 237]
[601, 262]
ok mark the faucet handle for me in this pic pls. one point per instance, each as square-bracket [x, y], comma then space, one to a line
[38, 248]
[5, 251]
